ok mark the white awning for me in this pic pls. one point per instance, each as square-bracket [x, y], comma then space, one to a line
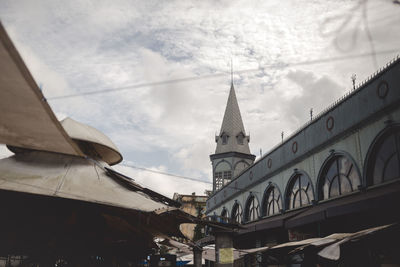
[26, 119]
[332, 252]
[103, 145]
[70, 177]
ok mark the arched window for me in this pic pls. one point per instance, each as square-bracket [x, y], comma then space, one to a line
[299, 192]
[252, 206]
[384, 158]
[240, 138]
[224, 137]
[224, 215]
[272, 202]
[222, 174]
[237, 213]
[339, 176]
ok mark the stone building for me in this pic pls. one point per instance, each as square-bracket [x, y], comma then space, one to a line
[194, 205]
[338, 173]
[232, 154]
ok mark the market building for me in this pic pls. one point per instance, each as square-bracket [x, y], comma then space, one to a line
[339, 173]
[62, 202]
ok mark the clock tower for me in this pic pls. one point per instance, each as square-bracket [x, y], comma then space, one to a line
[232, 154]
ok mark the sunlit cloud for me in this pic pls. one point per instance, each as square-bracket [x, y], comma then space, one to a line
[73, 47]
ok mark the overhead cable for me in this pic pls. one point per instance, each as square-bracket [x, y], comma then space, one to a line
[262, 68]
[165, 173]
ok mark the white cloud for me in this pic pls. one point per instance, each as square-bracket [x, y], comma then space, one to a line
[81, 46]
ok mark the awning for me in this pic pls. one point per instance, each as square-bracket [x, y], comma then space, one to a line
[276, 221]
[327, 247]
[26, 119]
[379, 198]
[98, 141]
[332, 252]
[207, 240]
[58, 175]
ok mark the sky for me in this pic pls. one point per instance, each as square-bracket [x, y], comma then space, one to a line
[164, 70]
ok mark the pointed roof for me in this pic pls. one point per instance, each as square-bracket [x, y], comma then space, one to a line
[232, 126]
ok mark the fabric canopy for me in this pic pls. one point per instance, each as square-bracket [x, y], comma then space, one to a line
[59, 175]
[26, 119]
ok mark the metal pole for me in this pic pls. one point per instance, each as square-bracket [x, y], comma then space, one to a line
[197, 256]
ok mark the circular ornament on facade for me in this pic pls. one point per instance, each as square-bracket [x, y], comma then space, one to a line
[269, 163]
[294, 147]
[382, 90]
[251, 175]
[330, 123]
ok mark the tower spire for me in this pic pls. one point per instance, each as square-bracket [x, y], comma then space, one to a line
[231, 73]
[232, 137]
[232, 154]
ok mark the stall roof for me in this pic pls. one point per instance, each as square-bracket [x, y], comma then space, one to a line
[374, 198]
[26, 119]
[332, 252]
[270, 222]
[71, 177]
[103, 145]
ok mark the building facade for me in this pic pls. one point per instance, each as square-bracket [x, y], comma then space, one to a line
[338, 173]
[194, 205]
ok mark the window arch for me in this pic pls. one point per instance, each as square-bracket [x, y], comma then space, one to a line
[251, 210]
[299, 192]
[224, 214]
[339, 175]
[383, 160]
[222, 174]
[237, 213]
[224, 137]
[240, 138]
[272, 201]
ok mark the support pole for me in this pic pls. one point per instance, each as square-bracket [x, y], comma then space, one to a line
[197, 256]
[223, 248]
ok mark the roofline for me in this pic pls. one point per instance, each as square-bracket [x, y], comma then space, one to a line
[335, 104]
[232, 154]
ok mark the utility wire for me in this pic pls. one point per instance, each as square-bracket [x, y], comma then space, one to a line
[166, 173]
[180, 176]
[271, 66]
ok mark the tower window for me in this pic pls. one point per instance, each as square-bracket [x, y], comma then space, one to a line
[224, 139]
[218, 180]
[227, 177]
[222, 178]
[240, 138]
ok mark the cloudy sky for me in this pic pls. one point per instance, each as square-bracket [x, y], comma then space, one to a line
[169, 64]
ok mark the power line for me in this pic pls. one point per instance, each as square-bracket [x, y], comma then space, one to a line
[181, 176]
[165, 173]
[276, 66]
